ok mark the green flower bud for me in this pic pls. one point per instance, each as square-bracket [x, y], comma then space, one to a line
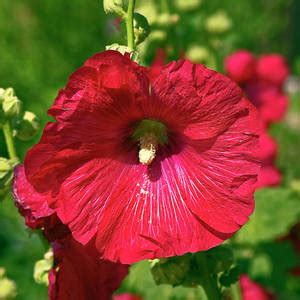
[11, 105]
[218, 23]
[198, 54]
[6, 175]
[123, 49]
[148, 9]
[157, 35]
[141, 28]
[187, 5]
[27, 127]
[42, 268]
[8, 289]
[115, 6]
[171, 271]
[167, 19]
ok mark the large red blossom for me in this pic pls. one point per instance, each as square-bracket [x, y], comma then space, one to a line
[78, 272]
[251, 290]
[197, 191]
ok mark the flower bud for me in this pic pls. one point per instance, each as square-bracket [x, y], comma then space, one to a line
[115, 6]
[198, 54]
[187, 5]
[8, 289]
[6, 174]
[167, 19]
[218, 23]
[141, 28]
[42, 268]
[27, 127]
[11, 105]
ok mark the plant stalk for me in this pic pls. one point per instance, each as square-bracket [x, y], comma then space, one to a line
[129, 24]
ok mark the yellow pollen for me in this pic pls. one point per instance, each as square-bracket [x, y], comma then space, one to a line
[148, 147]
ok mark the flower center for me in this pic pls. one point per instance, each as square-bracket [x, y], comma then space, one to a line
[149, 134]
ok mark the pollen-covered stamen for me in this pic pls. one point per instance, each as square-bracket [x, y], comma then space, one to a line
[149, 134]
[148, 147]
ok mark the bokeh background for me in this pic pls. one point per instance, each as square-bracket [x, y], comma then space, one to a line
[43, 41]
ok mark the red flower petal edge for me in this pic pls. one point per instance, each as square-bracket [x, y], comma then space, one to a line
[78, 272]
[196, 193]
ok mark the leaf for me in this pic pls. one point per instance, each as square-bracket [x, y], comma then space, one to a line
[140, 282]
[270, 264]
[275, 212]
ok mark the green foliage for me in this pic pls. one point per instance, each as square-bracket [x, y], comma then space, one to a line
[276, 210]
[189, 275]
[270, 264]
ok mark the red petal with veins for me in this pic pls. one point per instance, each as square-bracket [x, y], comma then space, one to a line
[197, 192]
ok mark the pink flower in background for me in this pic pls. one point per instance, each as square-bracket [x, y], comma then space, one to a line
[269, 174]
[126, 297]
[78, 272]
[272, 69]
[251, 290]
[262, 80]
[148, 167]
[240, 66]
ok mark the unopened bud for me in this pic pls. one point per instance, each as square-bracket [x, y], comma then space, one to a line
[8, 289]
[141, 28]
[6, 175]
[218, 23]
[27, 127]
[11, 105]
[198, 54]
[42, 268]
[187, 5]
[115, 6]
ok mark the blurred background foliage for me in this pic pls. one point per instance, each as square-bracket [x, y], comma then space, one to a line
[43, 42]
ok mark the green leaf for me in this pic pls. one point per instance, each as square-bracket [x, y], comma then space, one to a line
[140, 282]
[270, 264]
[276, 210]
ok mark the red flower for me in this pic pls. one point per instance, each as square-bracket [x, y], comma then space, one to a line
[150, 168]
[240, 66]
[127, 297]
[270, 101]
[272, 68]
[78, 272]
[253, 291]
[157, 64]
[268, 175]
[262, 80]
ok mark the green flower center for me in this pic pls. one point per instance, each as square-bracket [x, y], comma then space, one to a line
[149, 134]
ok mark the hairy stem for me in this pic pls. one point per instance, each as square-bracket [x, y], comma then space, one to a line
[209, 283]
[9, 140]
[235, 291]
[129, 24]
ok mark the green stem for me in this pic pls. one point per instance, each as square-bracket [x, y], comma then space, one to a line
[209, 283]
[129, 24]
[235, 291]
[9, 140]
